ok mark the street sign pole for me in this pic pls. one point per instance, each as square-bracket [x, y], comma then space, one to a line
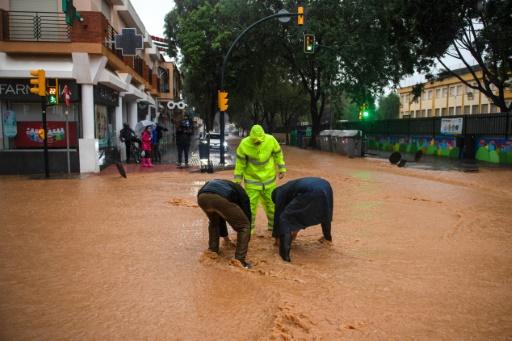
[280, 14]
[67, 140]
[45, 139]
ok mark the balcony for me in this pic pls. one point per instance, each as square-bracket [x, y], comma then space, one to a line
[34, 26]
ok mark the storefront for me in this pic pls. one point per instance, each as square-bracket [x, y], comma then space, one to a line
[105, 102]
[21, 133]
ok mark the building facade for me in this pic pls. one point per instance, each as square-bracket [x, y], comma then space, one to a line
[105, 87]
[447, 96]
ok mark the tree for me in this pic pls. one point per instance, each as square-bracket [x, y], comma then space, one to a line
[466, 30]
[388, 107]
[485, 35]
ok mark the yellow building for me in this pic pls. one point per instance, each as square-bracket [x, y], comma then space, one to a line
[447, 96]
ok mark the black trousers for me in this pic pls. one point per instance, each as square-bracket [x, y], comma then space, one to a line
[157, 156]
[183, 149]
[128, 146]
[285, 240]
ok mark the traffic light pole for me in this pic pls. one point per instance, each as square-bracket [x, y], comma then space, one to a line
[45, 139]
[225, 61]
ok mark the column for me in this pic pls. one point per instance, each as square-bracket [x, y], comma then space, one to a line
[87, 111]
[132, 114]
[119, 126]
[88, 144]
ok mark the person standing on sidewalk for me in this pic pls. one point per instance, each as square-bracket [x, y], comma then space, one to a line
[257, 157]
[146, 147]
[299, 204]
[183, 135]
[223, 200]
[126, 135]
[158, 133]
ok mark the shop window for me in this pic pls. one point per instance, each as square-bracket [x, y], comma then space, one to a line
[21, 125]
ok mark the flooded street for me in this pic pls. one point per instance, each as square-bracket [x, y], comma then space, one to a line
[416, 255]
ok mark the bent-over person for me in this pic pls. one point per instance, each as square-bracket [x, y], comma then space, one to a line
[225, 201]
[299, 204]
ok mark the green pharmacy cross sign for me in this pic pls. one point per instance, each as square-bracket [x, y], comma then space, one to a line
[128, 41]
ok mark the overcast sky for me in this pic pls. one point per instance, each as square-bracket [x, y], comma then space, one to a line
[152, 14]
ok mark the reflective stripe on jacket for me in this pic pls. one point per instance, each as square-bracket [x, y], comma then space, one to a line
[256, 165]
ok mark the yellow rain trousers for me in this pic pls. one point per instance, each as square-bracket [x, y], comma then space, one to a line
[256, 166]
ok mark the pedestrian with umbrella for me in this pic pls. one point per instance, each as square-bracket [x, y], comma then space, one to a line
[145, 127]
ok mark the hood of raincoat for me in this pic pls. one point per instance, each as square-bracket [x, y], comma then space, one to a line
[257, 133]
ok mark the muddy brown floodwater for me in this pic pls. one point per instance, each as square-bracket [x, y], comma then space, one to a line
[416, 255]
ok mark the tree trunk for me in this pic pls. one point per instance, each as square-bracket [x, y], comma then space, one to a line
[315, 121]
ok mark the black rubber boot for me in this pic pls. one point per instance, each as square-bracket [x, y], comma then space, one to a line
[285, 245]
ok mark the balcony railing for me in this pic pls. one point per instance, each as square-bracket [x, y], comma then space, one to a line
[38, 26]
[110, 34]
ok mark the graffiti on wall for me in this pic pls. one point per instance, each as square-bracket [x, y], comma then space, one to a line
[489, 149]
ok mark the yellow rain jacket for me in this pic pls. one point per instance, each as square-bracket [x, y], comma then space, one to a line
[256, 164]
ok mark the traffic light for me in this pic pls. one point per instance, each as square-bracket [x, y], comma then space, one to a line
[53, 94]
[70, 10]
[364, 113]
[300, 16]
[223, 101]
[309, 43]
[39, 83]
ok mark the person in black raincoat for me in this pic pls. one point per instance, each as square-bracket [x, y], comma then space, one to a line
[299, 204]
[224, 200]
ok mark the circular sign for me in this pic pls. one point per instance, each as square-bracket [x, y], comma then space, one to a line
[284, 19]
[171, 105]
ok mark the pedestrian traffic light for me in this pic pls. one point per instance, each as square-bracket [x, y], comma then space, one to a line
[300, 16]
[223, 100]
[53, 93]
[309, 43]
[39, 83]
[364, 113]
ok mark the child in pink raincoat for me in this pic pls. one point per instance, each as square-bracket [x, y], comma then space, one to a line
[146, 147]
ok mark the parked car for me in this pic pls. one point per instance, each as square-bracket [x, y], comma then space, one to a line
[215, 141]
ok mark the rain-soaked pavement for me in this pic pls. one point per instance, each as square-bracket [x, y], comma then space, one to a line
[416, 254]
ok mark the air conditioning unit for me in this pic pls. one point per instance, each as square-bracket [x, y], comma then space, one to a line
[470, 94]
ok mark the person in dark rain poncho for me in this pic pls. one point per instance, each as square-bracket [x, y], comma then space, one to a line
[299, 204]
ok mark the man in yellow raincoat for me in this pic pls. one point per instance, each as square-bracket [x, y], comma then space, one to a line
[257, 158]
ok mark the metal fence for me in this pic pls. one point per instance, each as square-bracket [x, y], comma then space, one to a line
[493, 124]
[38, 26]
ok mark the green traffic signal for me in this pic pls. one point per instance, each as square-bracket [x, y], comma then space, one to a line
[52, 98]
[309, 43]
[366, 114]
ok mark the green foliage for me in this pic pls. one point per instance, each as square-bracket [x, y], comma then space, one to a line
[388, 107]
[362, 47]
